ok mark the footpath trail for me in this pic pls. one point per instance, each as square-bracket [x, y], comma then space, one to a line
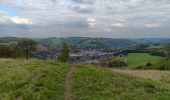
[68, 83]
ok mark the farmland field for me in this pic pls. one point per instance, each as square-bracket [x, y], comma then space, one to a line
[137, 59]
[51, 80]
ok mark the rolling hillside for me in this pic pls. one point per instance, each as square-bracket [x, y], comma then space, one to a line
[92, 43]
[140, 59]
[99, 43]
[51, 80]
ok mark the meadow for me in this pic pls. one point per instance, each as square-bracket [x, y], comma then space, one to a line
[139, 59]
[49, 80]
[32, 80]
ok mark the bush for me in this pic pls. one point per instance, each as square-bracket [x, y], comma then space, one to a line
[148, 64]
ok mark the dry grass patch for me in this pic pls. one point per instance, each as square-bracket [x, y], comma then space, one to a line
[147, 74]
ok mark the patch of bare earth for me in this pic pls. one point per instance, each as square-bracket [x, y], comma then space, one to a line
[147, 74]
[68, 84]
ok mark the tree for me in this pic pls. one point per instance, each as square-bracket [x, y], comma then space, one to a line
[28, 46]
[6, 51]
[64, 56]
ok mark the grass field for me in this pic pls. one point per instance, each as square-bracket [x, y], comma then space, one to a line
[32, 80]
[97, 84]
[137, 59]
[50, 80]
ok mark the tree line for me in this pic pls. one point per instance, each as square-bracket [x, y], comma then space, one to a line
[24, 48]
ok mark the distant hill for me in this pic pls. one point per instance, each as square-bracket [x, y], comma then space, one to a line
[152, 41]
[99, 43]
[8, 39]
[92, 43]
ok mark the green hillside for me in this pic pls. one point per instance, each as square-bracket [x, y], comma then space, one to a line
[50, 80]
[161, 65]
[32, 80]
[139, 59]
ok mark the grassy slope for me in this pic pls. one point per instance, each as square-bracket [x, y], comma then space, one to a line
[162, 65]
[97, 84]
[44, 80]
[32, 80]
[137, 59]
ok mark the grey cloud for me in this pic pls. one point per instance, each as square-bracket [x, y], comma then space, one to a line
[54, 1]
[82, 8]
[135, 18]
[80, 23]
[85, 1]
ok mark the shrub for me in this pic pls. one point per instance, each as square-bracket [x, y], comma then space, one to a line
[148, 64]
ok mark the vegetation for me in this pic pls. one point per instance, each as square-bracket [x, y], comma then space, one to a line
[64, 56]
[99, 84]
[6, 51]
[28, 46]
[44, 80]
[161, 65]
[116, 61]
[92, 43]
[32, 80]
[139, 59]
[162, 50]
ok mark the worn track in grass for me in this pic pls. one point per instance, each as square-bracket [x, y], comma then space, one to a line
[68, 84]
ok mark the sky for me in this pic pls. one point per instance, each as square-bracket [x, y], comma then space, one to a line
[85, 18]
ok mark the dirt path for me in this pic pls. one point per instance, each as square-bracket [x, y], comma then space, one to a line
[68, 83]
[147, 74]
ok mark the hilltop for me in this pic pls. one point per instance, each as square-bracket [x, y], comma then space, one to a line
[44, 80]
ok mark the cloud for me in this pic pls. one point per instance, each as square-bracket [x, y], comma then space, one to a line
[152, 25]
[84, 1]
[82, 8]
[106, 18]
[117, 25]
[18, 20]
[91, 21]
[5, 19]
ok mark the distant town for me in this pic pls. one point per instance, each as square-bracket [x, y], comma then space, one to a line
[81, 57]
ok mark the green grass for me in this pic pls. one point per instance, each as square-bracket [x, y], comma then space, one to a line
[161, 65]
[45, 80]
[138, 59]
[32, 80]
[100, 84]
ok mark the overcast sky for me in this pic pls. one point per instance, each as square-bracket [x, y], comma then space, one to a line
[85, 18]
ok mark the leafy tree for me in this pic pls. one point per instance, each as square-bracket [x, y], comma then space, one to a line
[28, 46]
[64, 56]
[6, 51]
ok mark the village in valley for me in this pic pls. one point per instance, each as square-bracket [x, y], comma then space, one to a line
[94, 57]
